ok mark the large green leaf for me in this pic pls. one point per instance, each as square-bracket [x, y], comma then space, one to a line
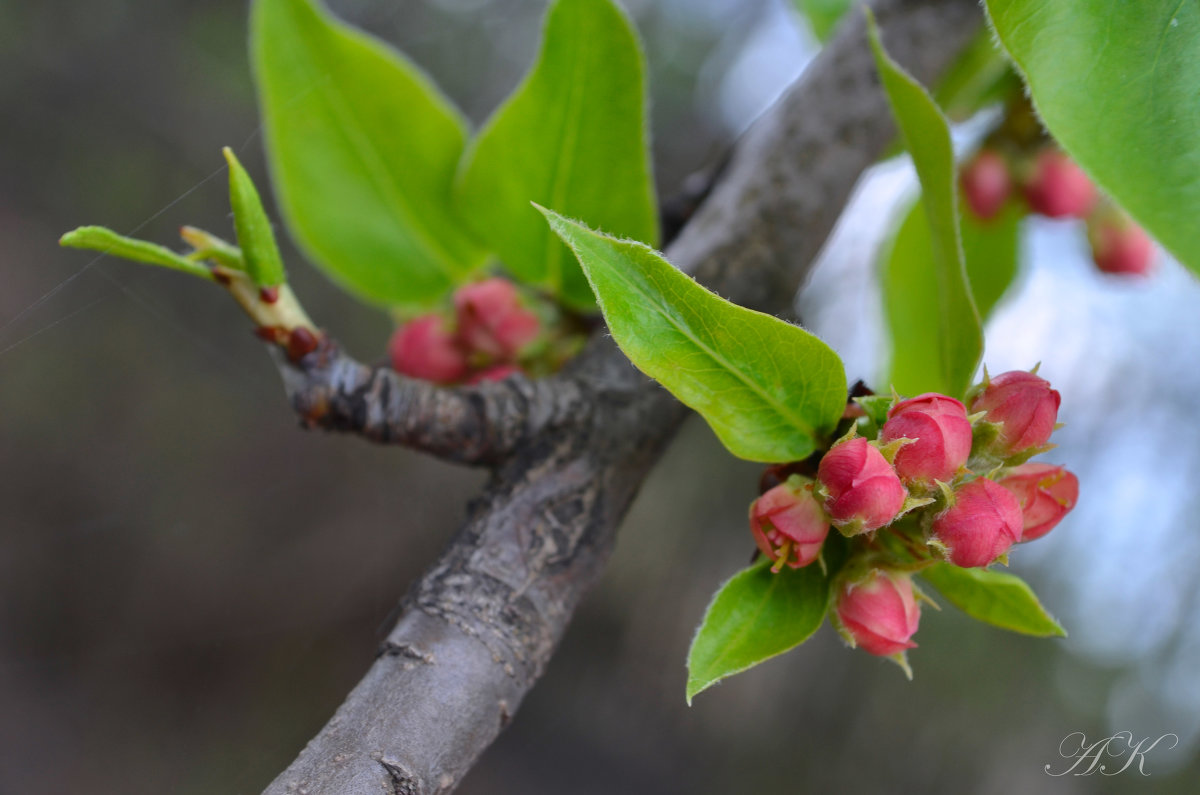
[949, 364]
[1118, 85]
[572, 137]
[363, 151]
[990, 249]
[753, 617]
[994, 597]
[770, 390]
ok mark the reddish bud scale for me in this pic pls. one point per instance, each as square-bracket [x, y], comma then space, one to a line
[986, 184]
[300, 343]
[1023, 405]
[941, 435]
[864, 491]
[222, 278]
[788, 524]
[981, 524]
[880, 612]
[268, 295]
[1045, 493]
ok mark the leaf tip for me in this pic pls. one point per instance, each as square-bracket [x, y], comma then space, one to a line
[695, 688]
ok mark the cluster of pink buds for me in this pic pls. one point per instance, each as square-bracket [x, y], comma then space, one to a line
[915, 482]
[1053, 185]
[489, 333]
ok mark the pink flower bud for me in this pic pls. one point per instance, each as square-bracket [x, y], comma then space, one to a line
[1058, 187]
[1119, 245]
[986, 184]
[424, 348]
[1045, 492]
[981, 524]
[788, 524]
[942, 432]
[863, 490]
[879, 612]
[492, 320]
[1023, 405]
[497, 372]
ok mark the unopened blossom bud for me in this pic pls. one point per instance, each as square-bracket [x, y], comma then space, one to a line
[1023, 406]
[497, 372]
[1045, 492]
[986, 184]
[942, 437]
[981, 523]
[1058, 188]
[863, 491]
[788, 524]
[491, 319]
[1119, 245]
[425, 348]
[879, 612]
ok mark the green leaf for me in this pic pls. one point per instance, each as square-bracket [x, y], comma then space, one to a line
[363, 151]
[753, 617]
[1116, 84]
[106, 241]
[823, 15]
[994, 597]
[571, 137]
[949, 365]
[770, 390]
[255, 236]
[991, 249]
[910, 288]
[981, 74]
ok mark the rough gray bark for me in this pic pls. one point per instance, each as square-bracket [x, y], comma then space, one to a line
[570, 453]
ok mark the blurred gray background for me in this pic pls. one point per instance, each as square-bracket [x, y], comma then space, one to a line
[189, 584]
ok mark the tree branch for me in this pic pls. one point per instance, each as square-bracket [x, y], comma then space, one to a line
[481, 424]
[479, 627]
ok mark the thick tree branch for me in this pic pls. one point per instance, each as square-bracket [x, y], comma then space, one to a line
[480, 626]
[481, 424]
